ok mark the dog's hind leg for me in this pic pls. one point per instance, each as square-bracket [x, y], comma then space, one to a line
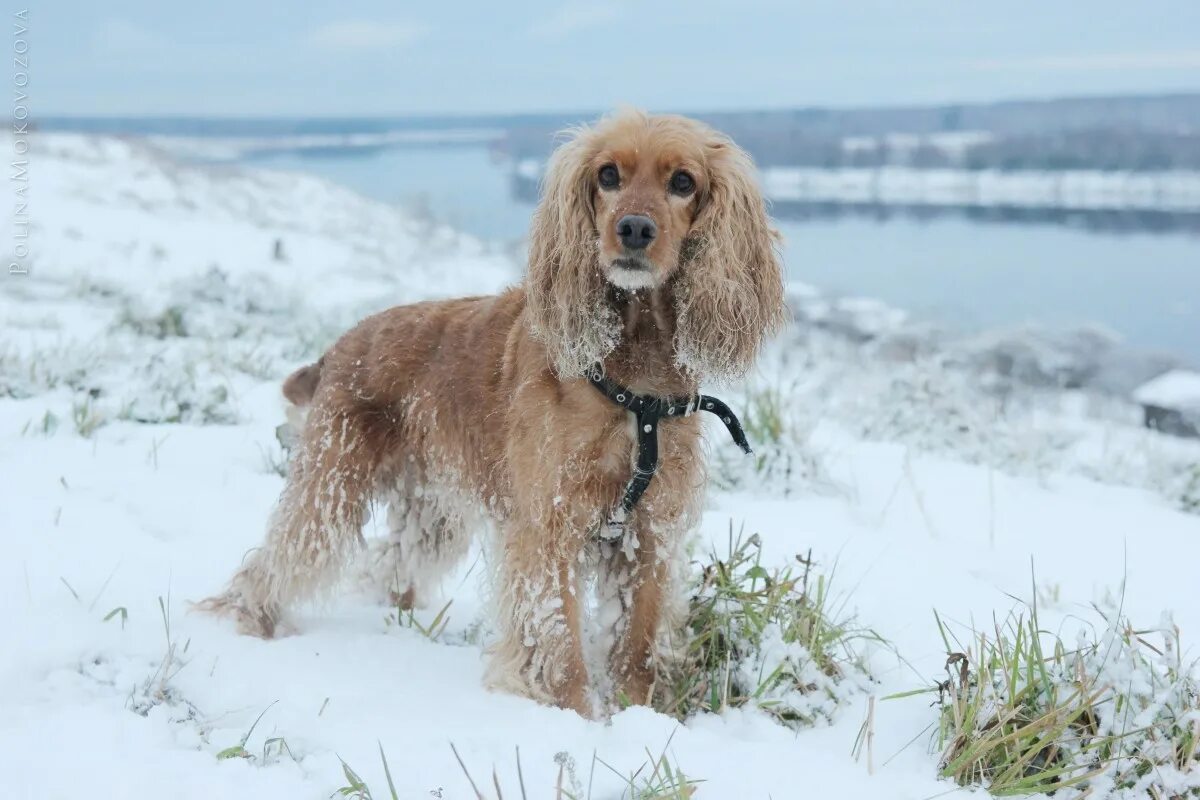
[425, 541]
[316, 525]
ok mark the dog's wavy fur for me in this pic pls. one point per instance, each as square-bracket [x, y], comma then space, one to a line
[461, 411]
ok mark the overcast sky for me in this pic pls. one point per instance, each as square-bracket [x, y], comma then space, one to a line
[277, 57]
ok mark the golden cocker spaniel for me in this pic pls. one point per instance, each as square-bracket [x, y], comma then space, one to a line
[651, 264]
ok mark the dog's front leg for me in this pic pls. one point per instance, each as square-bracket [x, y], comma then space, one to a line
[639, 577]
[540, 652]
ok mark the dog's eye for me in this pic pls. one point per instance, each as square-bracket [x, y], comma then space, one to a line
[609, 177]
[682, 183]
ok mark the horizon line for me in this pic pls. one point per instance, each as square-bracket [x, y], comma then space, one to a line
[419, 115]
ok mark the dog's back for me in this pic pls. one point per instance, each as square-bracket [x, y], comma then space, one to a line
[420, 375]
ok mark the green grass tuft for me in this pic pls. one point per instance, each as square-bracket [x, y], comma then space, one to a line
[773, 639]
[405, 617]
[1115, 715]
[166, 324]
[783, 460]
[85, 417]
[664, 781]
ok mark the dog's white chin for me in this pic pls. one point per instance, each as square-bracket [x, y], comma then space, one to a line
[631, 279]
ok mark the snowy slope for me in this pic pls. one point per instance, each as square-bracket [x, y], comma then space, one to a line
[138, 400]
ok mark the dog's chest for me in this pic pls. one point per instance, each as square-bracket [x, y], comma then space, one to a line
[615, 451]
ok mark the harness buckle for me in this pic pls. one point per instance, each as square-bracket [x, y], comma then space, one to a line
[614, 528]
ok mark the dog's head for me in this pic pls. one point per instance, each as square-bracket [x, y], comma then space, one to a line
[640, 203]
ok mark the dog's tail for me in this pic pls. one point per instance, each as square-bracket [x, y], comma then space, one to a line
[298, 389]
[301, 385]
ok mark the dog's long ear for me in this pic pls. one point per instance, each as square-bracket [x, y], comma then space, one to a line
[730, 288]
[564, 285]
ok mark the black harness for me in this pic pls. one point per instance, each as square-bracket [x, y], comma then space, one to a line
[648, 411]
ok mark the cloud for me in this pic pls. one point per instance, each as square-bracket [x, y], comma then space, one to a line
[358, 34]
[572, 18]
[1095, 62]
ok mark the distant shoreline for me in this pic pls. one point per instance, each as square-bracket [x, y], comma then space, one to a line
[1147, 111]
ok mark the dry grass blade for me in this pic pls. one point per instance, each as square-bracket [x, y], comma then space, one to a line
[520, 775]
[463, 766]
[387, 773]
[866, 737]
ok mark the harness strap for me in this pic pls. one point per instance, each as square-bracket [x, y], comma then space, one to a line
[649, 411]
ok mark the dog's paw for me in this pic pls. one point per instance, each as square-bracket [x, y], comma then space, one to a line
[253, 619]
[405, 601]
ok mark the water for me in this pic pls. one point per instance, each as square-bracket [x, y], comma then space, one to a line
[462, 186]
[1145, 287]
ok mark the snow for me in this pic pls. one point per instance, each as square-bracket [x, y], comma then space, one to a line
[157, 322]
[1177, 389]
[1174, 191]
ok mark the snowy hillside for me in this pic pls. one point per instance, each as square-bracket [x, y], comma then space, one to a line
[139, 396]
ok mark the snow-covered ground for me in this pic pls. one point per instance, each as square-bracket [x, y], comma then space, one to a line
[1175, 191]
[139, 375]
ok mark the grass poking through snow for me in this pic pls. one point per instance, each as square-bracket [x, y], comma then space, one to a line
[783, 460]
[658, 778]
[357, 788]
[276, 744]
[1115, 714]
[772, 639]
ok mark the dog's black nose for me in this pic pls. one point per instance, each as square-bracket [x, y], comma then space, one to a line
[636, 231]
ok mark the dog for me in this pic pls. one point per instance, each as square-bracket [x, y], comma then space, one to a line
[652, 261]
